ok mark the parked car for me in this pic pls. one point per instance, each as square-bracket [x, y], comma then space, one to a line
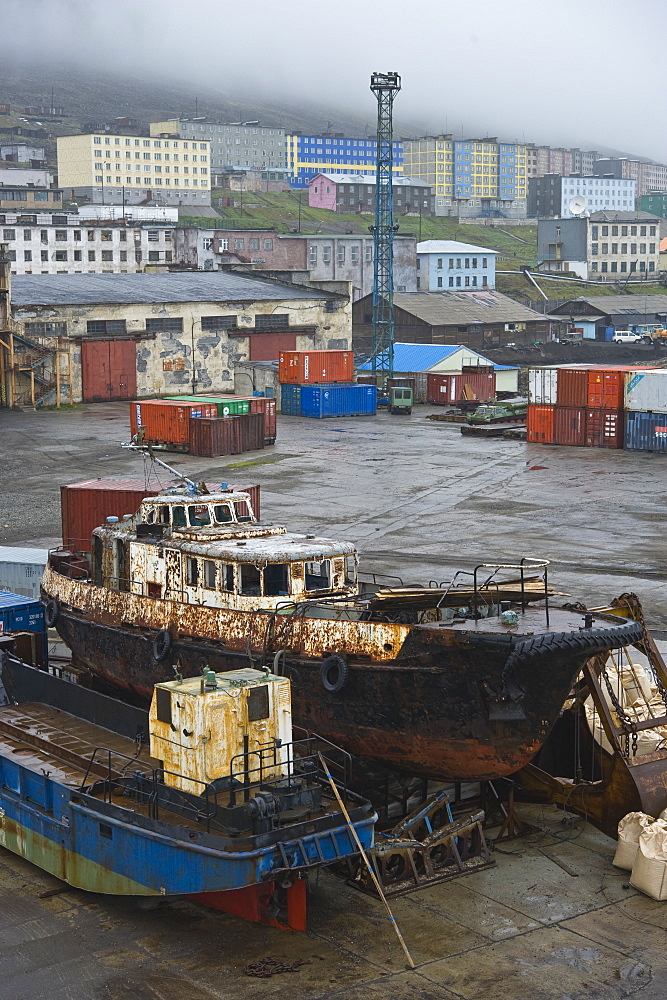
[630, 337]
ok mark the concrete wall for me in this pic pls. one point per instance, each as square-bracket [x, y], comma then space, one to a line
[215, 353]
[443, 271]
[22, 176]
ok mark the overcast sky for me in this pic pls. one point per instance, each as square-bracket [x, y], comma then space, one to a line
[578, 72]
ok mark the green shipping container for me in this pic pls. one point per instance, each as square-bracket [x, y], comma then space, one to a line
[227, 407]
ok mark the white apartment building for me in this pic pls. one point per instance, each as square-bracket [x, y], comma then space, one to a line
[37, 245]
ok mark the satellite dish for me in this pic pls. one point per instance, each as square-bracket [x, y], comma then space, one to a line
[577, 205]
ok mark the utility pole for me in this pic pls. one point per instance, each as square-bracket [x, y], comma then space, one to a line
[385, 86]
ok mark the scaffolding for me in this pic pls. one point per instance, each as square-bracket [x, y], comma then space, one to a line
[385, 86]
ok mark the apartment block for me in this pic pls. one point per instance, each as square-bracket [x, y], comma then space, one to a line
[654, 203]
[605, 246]
[649, 177]
[356, 193]
[233, 144]
[131, 169]
[447, 264]
[48, 244]
[309, 155]
[471, 177]
[551, 196]
[542, 160]
[324, 257]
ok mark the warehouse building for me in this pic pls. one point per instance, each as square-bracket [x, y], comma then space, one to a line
[133, 335]
[473, 319]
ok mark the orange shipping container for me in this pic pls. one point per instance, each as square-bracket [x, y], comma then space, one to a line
[267, 406]
[572, 387]
[308, 367]
[540, 424]
[167, 421]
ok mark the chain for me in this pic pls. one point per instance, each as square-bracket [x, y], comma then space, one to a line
[622, 715]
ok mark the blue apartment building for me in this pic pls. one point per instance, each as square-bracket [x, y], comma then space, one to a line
[309, 155]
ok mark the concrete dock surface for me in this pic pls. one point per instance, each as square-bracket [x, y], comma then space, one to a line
[420, 501]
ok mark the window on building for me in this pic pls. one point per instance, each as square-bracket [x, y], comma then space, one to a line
[77, 255]
[594, 249]
[107, 255]
[326, 255]
[45, 255]
[27, 255]
[604, 265]
[614, 248]
[254, 244]
[312, 255]
[164, 324]
[439, 282]
[624, 266]
[613, 266]
[451, 282]
[633, 248]
[61, 254]
[485, 281]
[106, 235]
[105, 326]
[594, 232]
[651, 265]
[239, 244]
[9, 234]
[642, 248]
[272, 321]
[268, 244]
[91, 255]
[212, 323]
[46, 329]
[340, 255]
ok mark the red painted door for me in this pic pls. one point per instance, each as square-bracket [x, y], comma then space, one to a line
[108, 370]
[267, 346]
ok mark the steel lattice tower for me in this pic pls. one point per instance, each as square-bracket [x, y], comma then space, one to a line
[385, 86]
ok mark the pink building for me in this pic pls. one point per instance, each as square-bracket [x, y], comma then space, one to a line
[322, 192]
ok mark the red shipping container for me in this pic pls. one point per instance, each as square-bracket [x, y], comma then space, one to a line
[572, 387]
[86, 505]
[267, 406]
[540, 424]
[604, 428]
[211, 437]
[167, 421]
[570, 425]
[252, 431]
[449, 389]
[307, 367]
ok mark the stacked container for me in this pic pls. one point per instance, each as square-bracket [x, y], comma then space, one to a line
[166, 422]
[646, 411]
[578, 405]
[319, 384]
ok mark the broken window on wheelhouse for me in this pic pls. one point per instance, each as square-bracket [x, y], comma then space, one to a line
[242, 511]
[223, 513]
[209, 574]
[250, 580]
[318, 574]
[198, 515]
[191, 571]
[350, 570]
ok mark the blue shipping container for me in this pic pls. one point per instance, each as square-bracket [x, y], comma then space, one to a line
[646, 431]
[20, 614]
[290, 400]
[338, 400]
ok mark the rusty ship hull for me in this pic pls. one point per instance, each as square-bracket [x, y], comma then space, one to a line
[467, 702]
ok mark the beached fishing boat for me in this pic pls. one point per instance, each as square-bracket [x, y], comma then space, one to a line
[461, 681]
[207, 794]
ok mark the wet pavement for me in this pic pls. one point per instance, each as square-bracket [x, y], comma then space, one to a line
[421, 501]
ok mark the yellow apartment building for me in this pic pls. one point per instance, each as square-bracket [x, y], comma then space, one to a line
[130, 169]
[471, 177]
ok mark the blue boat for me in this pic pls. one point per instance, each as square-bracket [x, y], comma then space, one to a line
[90, 790]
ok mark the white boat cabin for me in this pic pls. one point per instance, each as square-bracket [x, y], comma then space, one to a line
[210, 550]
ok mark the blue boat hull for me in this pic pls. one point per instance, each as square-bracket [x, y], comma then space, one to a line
[105, 848]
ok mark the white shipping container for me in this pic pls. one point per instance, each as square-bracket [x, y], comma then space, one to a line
[542, 385]
[646, 391]
[21, 570]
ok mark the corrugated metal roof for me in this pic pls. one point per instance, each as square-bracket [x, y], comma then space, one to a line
[397, 180]
[613, 305]
[464, 308]
[421, 357]
[450, 246]
[191, 286]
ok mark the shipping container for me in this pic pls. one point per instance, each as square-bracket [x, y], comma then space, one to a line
[351, 400]
[363, 378]
[166, 421]
[570, 425]
[451, 388]
[21, 570]
[604, 428]
[290, 400]
[86, 505]
[542, 385]
[267, 406]
[572, 387]
[227, 406]
[421, 386]
[646, 391]
[540, 423]
[211, 437]
[402, 380]
[606, 388]
[307, 367]
[252, 431]
[24, 614]
[645, 431]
